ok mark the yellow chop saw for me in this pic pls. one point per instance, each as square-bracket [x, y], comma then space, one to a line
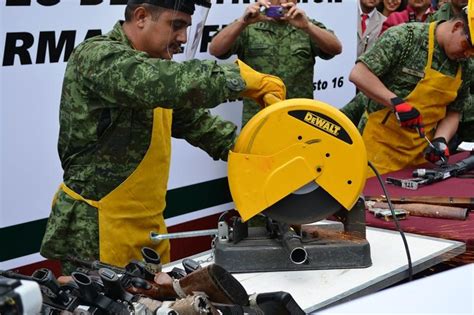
[296, 162]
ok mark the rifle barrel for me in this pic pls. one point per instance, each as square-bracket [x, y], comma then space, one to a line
[466, 202]
[94, 264]
[14, 275]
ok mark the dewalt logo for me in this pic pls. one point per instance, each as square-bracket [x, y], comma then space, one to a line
[322, 123]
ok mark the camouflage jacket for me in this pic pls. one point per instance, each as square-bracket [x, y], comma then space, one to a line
[282, 50]
[106, 113]
[399, 57]
[442, 14]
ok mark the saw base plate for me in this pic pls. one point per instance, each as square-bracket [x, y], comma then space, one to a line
[260, 254]
[326, 247]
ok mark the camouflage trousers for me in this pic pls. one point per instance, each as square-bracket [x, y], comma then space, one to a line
[72, 229]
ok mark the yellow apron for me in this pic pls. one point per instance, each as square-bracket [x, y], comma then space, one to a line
[391, 147]
[133, 209]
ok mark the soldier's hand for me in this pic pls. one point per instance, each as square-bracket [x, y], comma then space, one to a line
[407, 115]
[262, 88]
[439, 152]
[252, 12]
[295, 16]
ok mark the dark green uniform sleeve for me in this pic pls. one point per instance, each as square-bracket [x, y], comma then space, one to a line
[386, 52]
[315, 47]
[203, 130]
[143, 82]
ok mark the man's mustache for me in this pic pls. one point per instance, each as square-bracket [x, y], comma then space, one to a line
[176, 48]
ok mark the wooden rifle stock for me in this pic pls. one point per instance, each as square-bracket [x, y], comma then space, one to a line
[427, 210]
[463, 202]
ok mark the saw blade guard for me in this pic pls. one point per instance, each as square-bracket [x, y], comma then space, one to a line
[290, 144]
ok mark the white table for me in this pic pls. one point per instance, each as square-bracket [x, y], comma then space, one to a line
[448, 292]
[315, 289]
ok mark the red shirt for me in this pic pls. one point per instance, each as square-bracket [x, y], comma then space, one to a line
[403, 17]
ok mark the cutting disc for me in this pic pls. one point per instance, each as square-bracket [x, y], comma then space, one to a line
[297, 161]
[304, 206]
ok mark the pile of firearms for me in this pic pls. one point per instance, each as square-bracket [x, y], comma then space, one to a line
[142, 288]
[422, 176]
[426, 206]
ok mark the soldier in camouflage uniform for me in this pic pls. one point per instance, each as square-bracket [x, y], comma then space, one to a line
[466, 126]
[422, 90]
[122, 100]
[356, 107]
[285, 47]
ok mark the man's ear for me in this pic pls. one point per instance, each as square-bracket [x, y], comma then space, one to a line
[458, 25]
[140, 14]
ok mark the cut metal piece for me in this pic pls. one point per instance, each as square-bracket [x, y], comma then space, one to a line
[304, 208]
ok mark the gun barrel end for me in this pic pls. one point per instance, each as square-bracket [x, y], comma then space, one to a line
[298, 255]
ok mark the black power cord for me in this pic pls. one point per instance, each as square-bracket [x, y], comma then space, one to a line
[395, 219]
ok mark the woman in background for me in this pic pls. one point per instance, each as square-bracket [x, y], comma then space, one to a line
[386, 7]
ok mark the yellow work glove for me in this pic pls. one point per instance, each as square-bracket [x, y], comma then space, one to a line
[263, 88]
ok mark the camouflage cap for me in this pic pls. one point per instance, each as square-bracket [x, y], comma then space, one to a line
[186, 6]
